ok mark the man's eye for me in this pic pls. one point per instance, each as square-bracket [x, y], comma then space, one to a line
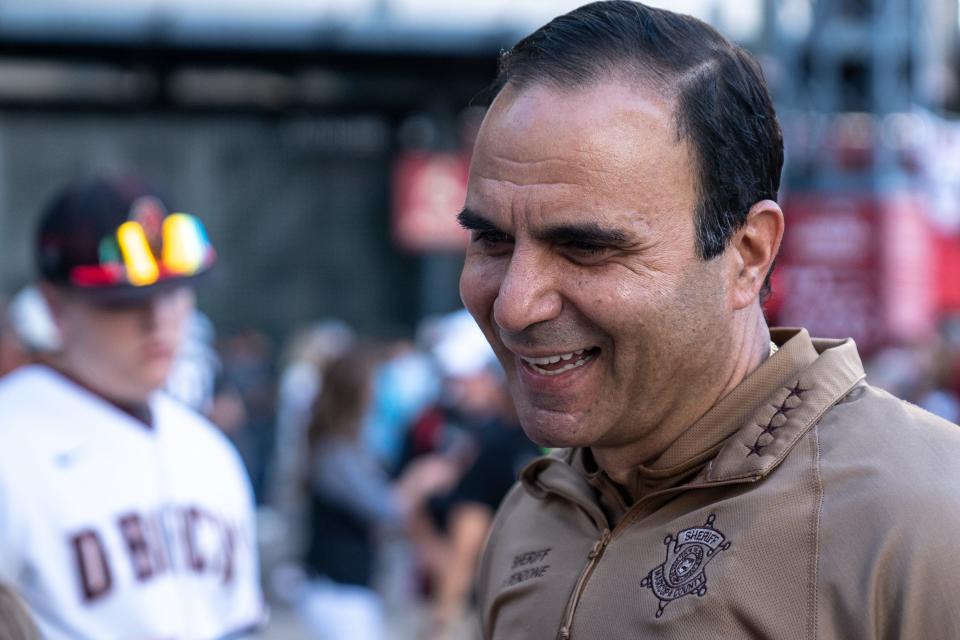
[491, 238]
[586, 249]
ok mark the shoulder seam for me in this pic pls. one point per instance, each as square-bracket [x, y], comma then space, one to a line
[815, 532]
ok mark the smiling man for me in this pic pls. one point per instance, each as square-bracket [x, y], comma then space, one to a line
[122, 513]
[714, 479]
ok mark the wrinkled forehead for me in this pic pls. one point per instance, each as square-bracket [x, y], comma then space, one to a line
[614, 133]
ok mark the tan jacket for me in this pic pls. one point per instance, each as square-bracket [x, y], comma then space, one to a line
[805, 504]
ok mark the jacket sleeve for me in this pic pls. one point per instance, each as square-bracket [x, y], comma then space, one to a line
[889, 565]
[484, 587]
[918, 577]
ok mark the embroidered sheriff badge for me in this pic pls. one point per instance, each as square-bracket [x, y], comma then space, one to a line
[682, 574]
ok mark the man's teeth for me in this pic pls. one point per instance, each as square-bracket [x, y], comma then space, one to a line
[554, 359]
[581, 359]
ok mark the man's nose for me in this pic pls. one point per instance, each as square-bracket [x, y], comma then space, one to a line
[528, 292]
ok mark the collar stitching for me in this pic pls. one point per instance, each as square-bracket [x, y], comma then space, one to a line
[755, 474]
[781, 410]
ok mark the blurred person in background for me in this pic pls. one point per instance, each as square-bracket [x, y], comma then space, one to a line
[13, 352]
[15, 621]
[306, 359]
[451, 427]
[923, 371]
[247, 372]
[27, 332]
[502, 451]
[284, 521]
[124, 513]
[942, 396]
[717, 479]
[405, 383]
[352, 503]
[471, 424]
[196, 368]
[466, 396]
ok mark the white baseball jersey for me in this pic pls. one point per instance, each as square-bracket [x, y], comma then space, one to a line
[112, 529]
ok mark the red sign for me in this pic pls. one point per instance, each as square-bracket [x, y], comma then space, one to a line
[948, 272]
[856, 265]
[428, 191]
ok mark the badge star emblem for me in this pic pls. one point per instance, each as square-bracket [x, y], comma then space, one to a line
[683, 572]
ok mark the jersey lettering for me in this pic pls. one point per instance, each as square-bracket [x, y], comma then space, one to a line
[133, 533]
[191, 518]
[93, 568]
[161, 558]
[229, 552]
[201, 542]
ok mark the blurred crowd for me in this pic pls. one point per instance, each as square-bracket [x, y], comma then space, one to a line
[925, 372]
[376, 465]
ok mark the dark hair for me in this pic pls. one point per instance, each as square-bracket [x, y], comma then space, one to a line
[344, 397]
[722, 105]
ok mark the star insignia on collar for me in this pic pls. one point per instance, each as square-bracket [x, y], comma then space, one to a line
[781, 411]
[796, 391]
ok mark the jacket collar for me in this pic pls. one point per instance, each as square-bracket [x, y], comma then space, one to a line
[743, 437]
[781, 418]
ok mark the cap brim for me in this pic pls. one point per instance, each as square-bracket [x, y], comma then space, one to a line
[122, 295]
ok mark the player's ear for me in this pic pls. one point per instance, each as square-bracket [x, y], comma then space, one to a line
[755, 246]
[53, 296]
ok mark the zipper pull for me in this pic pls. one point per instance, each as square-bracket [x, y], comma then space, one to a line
[599, 545]
[564, 633]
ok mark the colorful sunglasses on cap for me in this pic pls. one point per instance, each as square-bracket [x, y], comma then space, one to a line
[140, 255]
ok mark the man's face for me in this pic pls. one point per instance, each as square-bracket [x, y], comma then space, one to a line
[124, 352]
[583, 252]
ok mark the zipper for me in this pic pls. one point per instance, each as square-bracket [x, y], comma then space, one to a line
[632, 515]
[592, 559]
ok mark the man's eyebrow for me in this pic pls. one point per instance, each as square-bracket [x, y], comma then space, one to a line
[586, 233]
[473, 221]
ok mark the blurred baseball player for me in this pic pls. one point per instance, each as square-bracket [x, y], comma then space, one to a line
[122, 513]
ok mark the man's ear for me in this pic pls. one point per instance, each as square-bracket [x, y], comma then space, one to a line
[755, 247]
[53, 296]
